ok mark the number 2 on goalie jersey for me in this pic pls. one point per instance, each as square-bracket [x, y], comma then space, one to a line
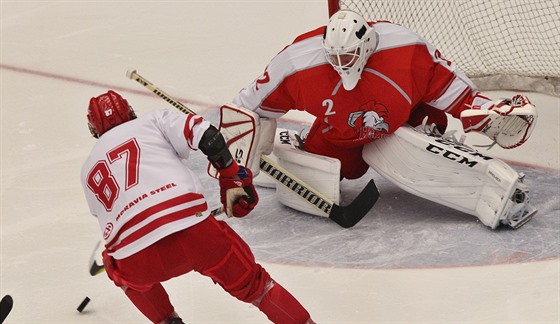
[102, 182]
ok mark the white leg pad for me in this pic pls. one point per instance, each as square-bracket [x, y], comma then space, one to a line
[281, 137]
[452, 174]
[320, 172]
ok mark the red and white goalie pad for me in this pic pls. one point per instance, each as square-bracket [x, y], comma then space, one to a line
[447, 172]
[509, 123]
[247, 136]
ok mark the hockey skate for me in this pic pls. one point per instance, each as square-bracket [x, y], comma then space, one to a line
[518, 211]
[175, 320]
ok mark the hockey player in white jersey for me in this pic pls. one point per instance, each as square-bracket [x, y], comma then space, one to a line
[154, 218]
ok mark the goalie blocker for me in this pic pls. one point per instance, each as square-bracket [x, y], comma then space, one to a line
[248, 137]
[447, 172]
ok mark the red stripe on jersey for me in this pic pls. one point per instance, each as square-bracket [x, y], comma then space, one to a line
[459, 102]
[189, 124]
[274, 110]
[162, 206]
[157, 223]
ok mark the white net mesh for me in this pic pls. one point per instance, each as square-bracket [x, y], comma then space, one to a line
[487, 39]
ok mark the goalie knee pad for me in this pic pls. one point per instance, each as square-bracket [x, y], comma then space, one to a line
[452, 174]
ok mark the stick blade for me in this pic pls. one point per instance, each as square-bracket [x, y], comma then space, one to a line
[350, 215]
[96, 269]
[6, 305]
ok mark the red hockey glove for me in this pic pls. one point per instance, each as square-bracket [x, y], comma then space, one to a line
[237, 193]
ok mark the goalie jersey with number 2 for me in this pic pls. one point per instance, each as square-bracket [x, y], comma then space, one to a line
[366, 83]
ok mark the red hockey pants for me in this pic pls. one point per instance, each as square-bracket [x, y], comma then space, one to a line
[213, 249]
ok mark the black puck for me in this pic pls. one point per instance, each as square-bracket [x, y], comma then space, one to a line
[83, 304]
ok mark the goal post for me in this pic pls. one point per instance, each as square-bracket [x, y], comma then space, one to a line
[499, 44]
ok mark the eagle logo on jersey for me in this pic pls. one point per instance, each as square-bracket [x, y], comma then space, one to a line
[370, 120]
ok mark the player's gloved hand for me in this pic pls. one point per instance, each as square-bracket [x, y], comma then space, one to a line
[237, 193]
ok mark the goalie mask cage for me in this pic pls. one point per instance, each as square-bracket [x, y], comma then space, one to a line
[499, 44]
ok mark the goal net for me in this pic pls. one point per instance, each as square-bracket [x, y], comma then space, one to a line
[499, 44]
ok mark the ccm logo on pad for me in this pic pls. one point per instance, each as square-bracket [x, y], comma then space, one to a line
[461, 159]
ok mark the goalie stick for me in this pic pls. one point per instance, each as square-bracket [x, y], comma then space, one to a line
[96, 268]
[345, 216]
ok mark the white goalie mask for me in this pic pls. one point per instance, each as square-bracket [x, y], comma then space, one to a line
[348, 43]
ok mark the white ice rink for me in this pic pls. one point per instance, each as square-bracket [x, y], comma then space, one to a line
[408, 261]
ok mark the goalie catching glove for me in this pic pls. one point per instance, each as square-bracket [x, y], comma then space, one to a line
[237, 193]
[509, 122]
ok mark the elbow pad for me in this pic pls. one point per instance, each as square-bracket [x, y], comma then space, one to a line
[213, 145]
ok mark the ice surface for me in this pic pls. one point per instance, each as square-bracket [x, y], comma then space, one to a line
[408, 260]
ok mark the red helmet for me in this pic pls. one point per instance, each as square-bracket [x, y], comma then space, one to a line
[107, 111]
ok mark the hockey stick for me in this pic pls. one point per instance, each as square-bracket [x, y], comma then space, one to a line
[96, 268]
[345, 216]
[6, 305]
